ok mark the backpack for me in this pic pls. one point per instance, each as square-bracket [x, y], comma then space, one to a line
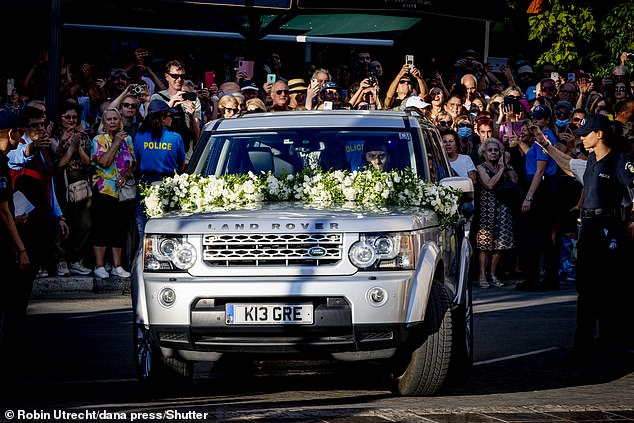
[179, 123]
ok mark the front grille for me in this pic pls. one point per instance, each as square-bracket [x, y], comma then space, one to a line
[272, 249]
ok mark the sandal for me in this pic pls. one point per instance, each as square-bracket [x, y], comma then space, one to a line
[483, 283]
[496, 282]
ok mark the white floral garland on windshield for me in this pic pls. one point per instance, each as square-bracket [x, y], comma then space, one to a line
[195, 193]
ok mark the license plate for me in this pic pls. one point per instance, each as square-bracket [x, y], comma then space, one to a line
[269, 314]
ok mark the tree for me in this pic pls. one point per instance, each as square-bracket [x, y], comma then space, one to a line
[568, 33]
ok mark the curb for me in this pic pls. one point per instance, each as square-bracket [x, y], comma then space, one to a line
[79, 284]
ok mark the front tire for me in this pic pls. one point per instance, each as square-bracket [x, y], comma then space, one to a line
[462, 348]
[153, 370]
[426, 363]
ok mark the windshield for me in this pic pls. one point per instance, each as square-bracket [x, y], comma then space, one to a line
[288, 151]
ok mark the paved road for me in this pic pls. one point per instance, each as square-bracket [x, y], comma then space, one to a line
[521, 384]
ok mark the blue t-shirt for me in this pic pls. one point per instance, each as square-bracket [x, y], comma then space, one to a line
[162, 156]
[536, 153]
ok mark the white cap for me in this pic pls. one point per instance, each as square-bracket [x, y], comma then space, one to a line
[415, 101]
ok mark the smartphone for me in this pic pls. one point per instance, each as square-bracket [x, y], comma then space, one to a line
[409, 60]
[571, 76]
[327, 105]
[210, 78]
[10, 86]
[246, 66]
[189, 96]
[511, 128]
[271, 77]
[314, 82]
[554, 76]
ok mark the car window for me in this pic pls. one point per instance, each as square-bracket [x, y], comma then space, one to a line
[288, 151]
[438, 166]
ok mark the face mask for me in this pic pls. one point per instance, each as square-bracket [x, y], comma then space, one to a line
[464, 132]
[562, 123]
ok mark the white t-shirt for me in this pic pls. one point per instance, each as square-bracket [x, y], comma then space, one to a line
[463, 165]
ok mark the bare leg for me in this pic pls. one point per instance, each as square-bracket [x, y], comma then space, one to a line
[495, 260]
[116, 257]
[100, 253]
[484, 255]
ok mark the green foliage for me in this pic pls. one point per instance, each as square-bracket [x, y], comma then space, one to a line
[618, 29]
[561, 30]
[570, 34]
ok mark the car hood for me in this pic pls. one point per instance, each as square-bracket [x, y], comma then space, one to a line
[294, 217]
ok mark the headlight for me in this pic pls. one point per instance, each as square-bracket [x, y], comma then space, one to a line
[395, 251]
[167, 253]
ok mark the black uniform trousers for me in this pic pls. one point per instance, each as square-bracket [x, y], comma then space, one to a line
[601, 284]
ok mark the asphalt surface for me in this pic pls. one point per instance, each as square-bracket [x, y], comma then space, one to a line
[618, 411]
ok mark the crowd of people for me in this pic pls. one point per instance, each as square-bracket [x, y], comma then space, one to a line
[140, 124]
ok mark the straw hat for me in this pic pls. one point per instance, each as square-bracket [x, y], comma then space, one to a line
[296, 86]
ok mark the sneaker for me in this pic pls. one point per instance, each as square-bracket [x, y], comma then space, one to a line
[496, 282]
[42, 273]
[62, 269]
[120, 272]
[78, 268]
[483, 283]
[101, 272]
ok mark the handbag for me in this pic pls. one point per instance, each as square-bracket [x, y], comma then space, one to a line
[509, 192]
[128, 190]
[77, 191]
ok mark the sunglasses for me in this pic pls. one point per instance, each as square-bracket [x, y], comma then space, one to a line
[129, 105]
[445, 123]
[619, 89]
[232, 110]
[563, 113]
[435, 93]
[372, 156]
[404, 81]
[280, 92]
[495, 104]
[178, 75]
[548, 89]
[464, 125]
[69, 117]
[576, 119]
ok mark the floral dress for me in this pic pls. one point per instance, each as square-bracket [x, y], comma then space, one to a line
[496, 225]
[106, 178]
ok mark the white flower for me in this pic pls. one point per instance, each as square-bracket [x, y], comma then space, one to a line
[195, 193]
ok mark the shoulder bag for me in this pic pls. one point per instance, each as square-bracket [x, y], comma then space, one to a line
[128, 191]
[77, 191]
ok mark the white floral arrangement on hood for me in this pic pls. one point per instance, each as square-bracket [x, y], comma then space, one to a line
[195, 193]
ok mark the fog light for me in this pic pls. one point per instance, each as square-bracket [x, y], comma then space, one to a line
[377, 296]
[167, 297]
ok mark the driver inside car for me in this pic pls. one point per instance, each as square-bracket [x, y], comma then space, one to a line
[376, 155]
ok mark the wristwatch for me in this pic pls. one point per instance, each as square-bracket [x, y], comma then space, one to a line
[529, 197]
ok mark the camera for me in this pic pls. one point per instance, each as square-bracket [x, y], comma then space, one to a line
[136, 90]
[372, 79]
[191, 96]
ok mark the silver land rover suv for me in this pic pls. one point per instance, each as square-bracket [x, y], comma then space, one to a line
[295, 280]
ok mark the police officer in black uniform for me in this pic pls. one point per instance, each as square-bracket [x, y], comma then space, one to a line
[605, 216]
